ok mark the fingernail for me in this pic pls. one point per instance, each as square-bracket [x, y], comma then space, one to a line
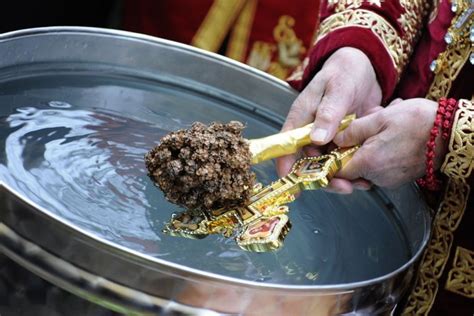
[319, 135]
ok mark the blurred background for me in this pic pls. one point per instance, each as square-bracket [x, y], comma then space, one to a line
[20, 14]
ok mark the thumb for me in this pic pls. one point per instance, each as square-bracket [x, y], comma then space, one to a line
[329, 114]
[358, 131]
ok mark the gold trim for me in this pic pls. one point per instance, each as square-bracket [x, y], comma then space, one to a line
[239, 37]
[461, 276]
[288, 47]
[399, 48]
[340, 5]
[459, 161]
[449, 63]
[457, 166]
[436, 254]
[216, 24]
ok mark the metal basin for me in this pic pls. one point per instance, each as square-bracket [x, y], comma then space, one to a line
[79, 108]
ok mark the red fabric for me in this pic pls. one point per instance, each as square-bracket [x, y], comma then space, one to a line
[268, 14]
[177, 20]
[418, 76]
[361, 38]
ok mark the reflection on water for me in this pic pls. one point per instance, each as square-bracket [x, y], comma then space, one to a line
[87, 166]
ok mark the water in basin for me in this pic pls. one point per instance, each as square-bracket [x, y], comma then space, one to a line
[75, 145]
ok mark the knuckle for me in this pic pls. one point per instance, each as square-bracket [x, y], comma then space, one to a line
[349, 134]
[321, 77]
[383, 118]
[326, 113]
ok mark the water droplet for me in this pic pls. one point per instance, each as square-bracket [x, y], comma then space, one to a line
[59, 104]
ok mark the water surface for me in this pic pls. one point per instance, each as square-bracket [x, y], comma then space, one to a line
[84, 162]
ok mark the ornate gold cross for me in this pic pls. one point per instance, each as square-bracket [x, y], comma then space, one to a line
[263, 224]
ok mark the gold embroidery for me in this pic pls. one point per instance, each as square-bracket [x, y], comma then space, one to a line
[457, 166]
[399, 48]
[450, 62]
[216, 24]
[261, 55]
[289, 47]
[459, 161]
[436, 254]
[434, 11]
[461, 276]
[240, 34]
[341, 5]
[424, 291]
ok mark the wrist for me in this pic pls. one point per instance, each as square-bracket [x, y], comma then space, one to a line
[437, 144]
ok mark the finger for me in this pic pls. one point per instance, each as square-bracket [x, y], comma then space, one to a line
[303, 109]
[396, 101]
[357, 166]
[333, 107]
[340, 186]
[374, 109]
[284, 164]
[358, 131]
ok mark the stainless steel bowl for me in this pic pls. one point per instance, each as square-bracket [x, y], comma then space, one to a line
[78, 259]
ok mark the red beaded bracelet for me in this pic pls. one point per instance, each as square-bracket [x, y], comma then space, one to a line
[442, 123]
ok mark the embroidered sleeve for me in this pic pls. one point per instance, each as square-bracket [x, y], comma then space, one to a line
[386, 31]
[459, 161]
[457, 166]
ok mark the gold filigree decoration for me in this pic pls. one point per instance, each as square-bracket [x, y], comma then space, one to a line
[341, 5]
[261, 54]
[459, 161]
[398, 47]
[461, 276]
[289, 47]
[458, 166]
[436, 254]
[449, 63]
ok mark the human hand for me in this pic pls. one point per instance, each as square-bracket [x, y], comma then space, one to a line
[346, 84]
[393, 145]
